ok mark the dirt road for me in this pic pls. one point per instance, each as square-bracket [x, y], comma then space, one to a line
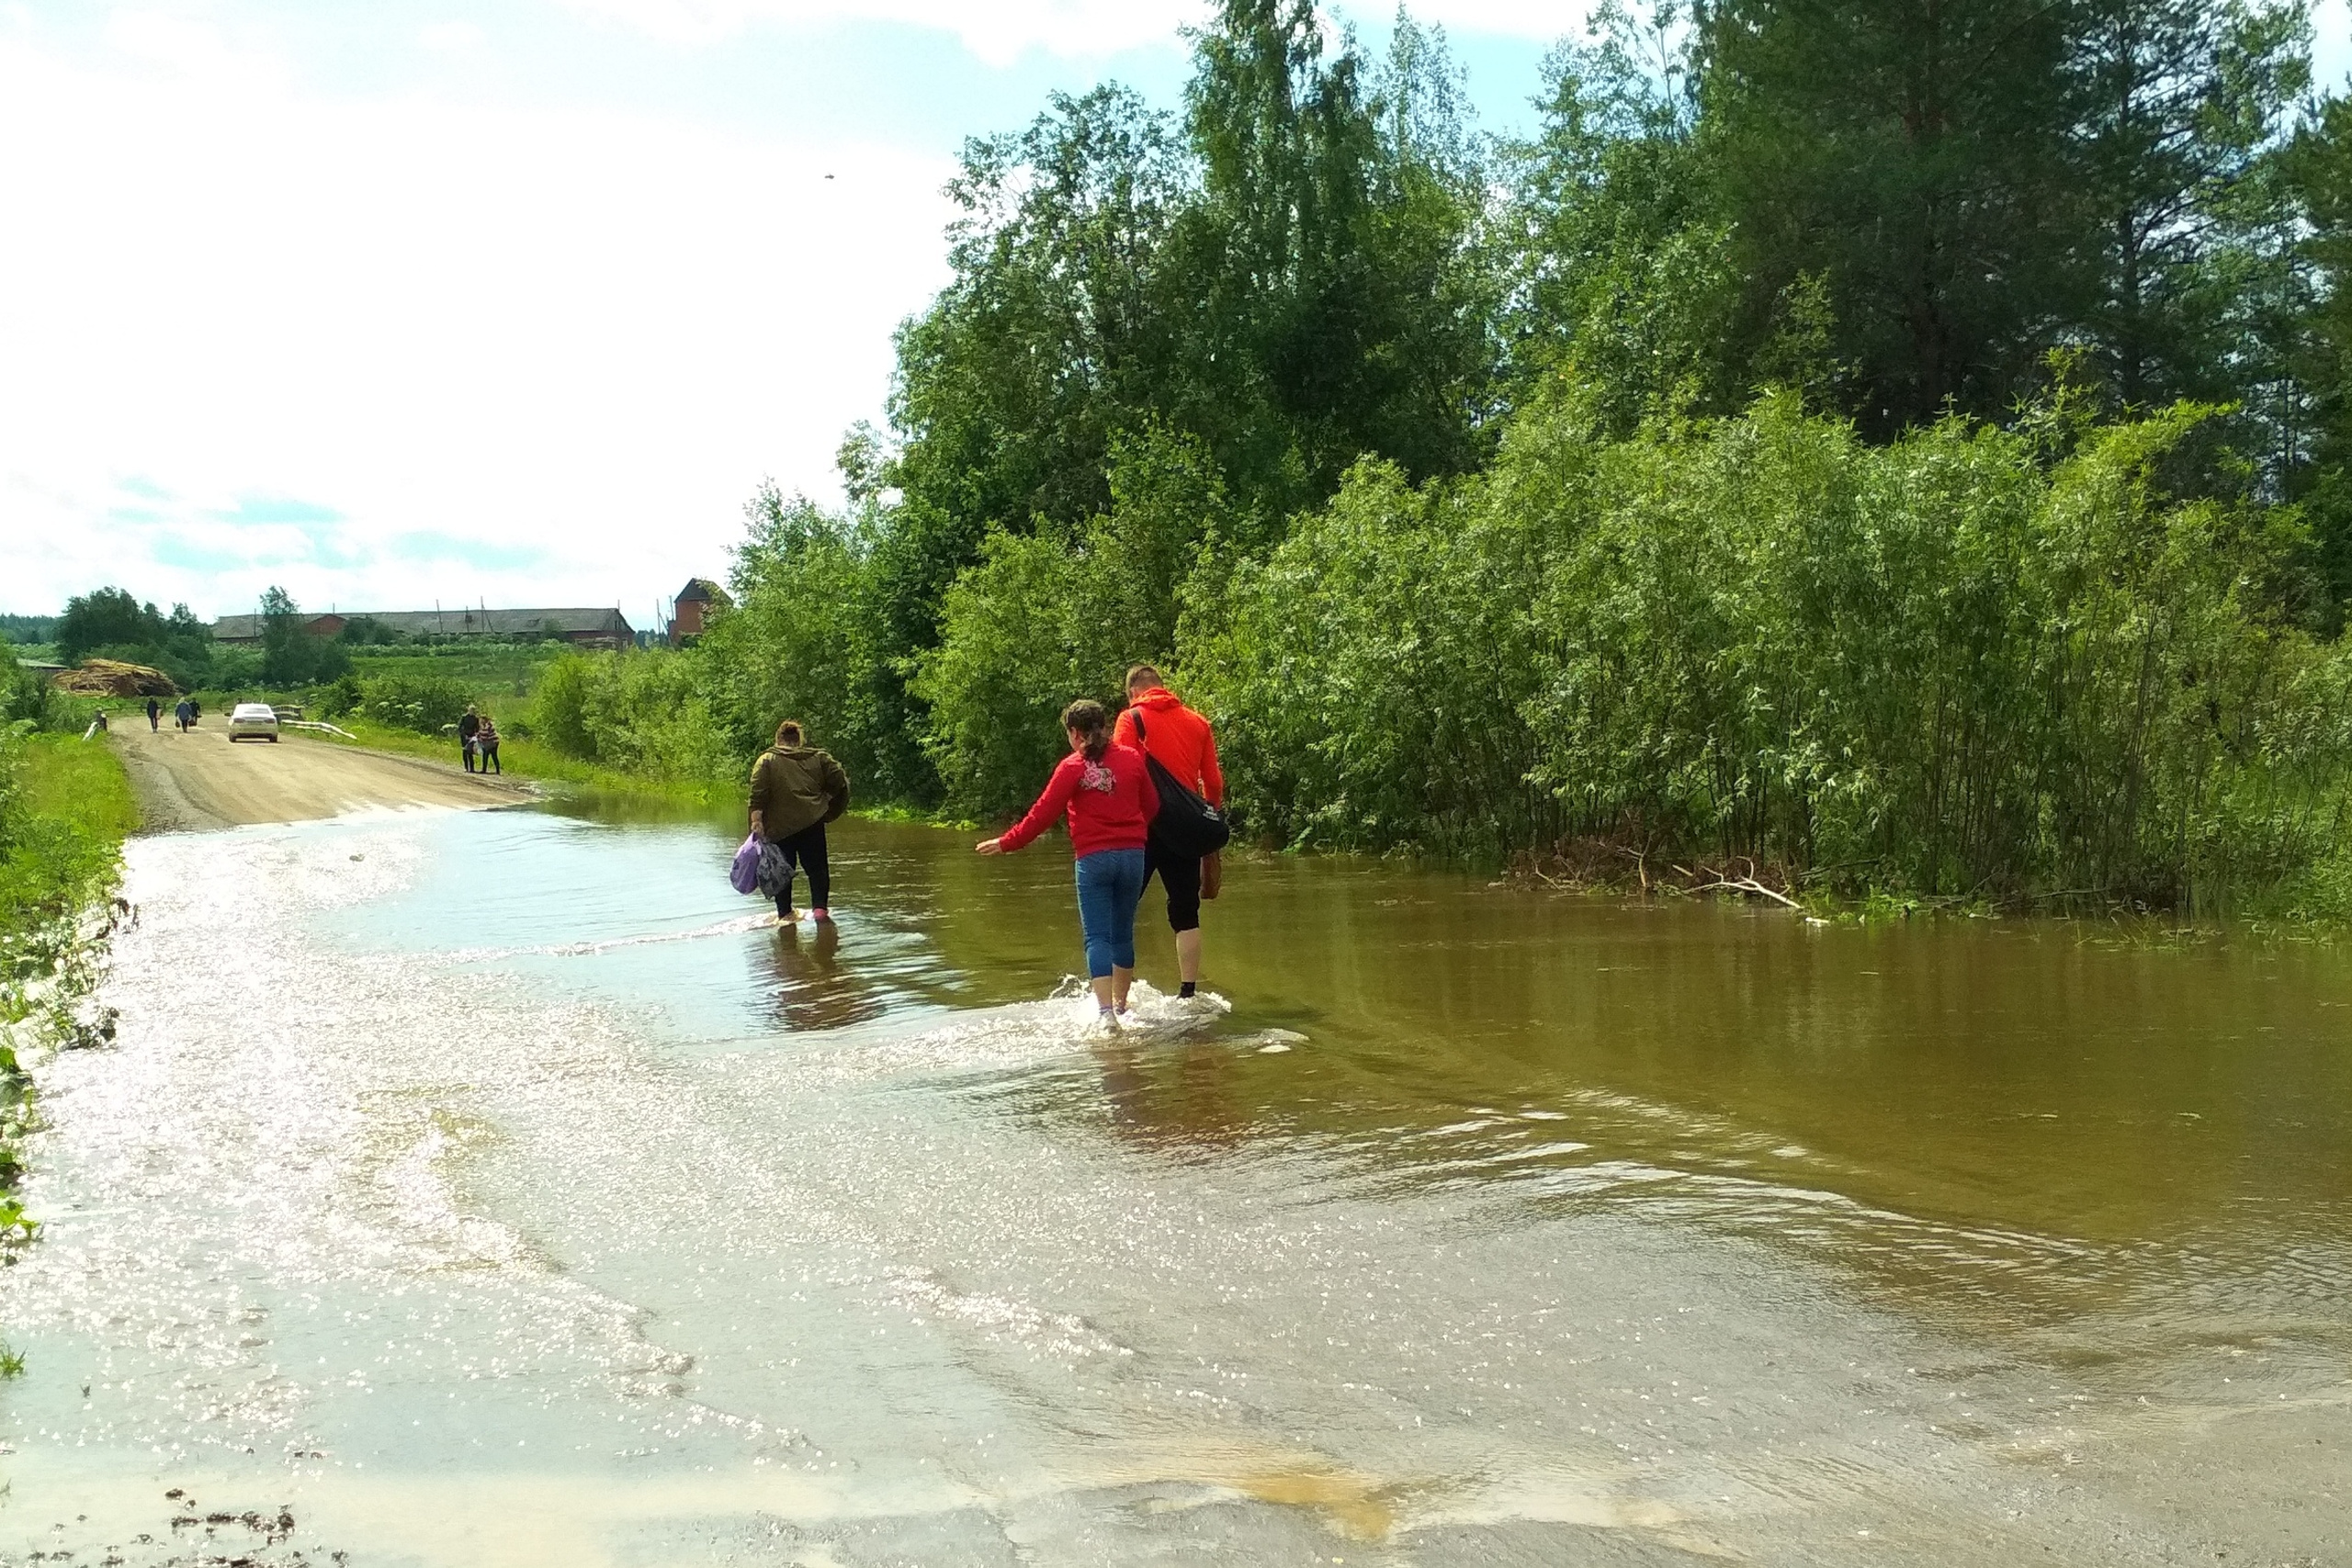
[199, 781]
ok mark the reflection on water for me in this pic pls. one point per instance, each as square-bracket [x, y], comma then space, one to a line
[813, 990]
[552, 1207]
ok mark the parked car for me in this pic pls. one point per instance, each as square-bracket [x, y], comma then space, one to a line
[252, 718]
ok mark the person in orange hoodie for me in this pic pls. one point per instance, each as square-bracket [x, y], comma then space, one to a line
[1182, 741]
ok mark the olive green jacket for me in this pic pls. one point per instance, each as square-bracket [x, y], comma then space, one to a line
[795, 788]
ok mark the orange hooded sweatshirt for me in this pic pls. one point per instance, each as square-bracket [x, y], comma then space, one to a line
[1178, 739]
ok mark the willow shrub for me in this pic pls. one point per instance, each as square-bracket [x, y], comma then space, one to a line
[1963, 663]
[1050, 615]
[806, 641]
[634, 711]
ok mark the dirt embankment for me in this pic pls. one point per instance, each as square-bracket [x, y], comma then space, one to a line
[201, 781]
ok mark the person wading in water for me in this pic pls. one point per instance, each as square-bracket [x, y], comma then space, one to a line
[796, 790]
[1107, 792]
[1157, 723]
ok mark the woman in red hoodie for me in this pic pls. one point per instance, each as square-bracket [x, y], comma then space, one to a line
[1107, 794]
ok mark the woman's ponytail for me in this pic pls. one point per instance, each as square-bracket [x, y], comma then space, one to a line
[1092, 721]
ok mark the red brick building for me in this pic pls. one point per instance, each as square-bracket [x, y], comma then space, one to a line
[695, 603]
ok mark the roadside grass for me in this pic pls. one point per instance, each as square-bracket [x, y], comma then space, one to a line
[537, 761]
[496, 671]
[65, 809]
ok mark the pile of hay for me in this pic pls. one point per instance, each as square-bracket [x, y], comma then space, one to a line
[112, 678]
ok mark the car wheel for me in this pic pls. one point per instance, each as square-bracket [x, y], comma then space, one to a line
[273, 740]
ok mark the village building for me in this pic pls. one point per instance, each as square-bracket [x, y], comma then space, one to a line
[587, 628]
[693, 605]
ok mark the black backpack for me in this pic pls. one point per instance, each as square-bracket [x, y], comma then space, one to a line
[1187, 826]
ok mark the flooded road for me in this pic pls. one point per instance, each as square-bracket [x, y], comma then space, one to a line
[486, 1189]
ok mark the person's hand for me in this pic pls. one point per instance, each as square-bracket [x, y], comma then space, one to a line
[758, 824]
[990, 846]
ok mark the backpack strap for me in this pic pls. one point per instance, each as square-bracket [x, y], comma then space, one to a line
[1139, 734]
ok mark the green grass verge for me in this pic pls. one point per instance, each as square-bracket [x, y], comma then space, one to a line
[538, 763]
[65, 808]
[502, 674]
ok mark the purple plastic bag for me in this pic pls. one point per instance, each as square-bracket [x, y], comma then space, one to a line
[745, 873]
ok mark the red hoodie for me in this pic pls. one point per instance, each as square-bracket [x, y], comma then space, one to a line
[1110, 802]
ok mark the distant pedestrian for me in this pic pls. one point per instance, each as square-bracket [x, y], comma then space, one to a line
[468, 727]
[796, 790]
[1106, 791]
[486, 747]
[154, 716]
[184, 716]
[1157, 723]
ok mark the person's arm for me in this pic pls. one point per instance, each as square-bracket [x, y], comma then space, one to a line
[1211, 774]
[1043, 815]
[763, 790]
[1123, 729]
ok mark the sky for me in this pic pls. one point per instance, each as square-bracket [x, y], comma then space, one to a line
[405, 302]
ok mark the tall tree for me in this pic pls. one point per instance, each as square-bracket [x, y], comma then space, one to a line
[2317, 169]
[107, 618]
[1909, 155]
[290, 655]
[1618, 260]
[1050, 336]
[1050, 339]
[1291, 276]
[1339, 303]
[2176, 104]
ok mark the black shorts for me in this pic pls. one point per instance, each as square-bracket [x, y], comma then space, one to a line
[1181, 875]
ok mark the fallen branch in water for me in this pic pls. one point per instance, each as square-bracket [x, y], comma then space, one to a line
[1724, 884]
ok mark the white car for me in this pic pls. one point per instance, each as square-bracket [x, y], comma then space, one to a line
[252, 718]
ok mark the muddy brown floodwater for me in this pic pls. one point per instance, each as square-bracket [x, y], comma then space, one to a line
[486, 1188]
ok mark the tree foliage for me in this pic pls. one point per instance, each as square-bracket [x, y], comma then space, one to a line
[290, 654]
[1905, 440]
[1965, 662]
[111, 623]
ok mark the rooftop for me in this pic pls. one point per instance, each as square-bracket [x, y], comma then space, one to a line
[603, 621]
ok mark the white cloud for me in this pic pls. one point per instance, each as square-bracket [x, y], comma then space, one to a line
[186, 47]
[1001, 32]
[587, 334]
[450, 38]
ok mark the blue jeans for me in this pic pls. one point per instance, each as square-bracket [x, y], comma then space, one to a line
[1110, 885]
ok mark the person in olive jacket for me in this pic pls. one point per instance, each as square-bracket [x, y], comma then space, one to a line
[796, 790]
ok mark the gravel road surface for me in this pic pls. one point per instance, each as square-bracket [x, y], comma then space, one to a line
[201, 781]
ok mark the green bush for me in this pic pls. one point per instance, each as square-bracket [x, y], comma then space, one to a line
[344, 695]
[2005, 664]
[27, 697]
[806, 641]
[642, 711]
[1367, 677]
[1044, 618]
[427, 703]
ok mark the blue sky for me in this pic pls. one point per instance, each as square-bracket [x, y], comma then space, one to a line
[514, 301]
